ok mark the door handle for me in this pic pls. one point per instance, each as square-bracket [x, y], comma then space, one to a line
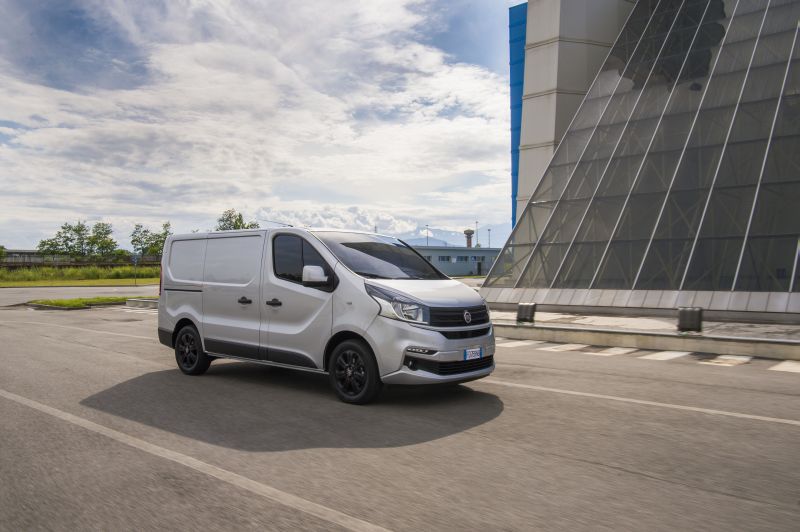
[244, 301]
[274, 302]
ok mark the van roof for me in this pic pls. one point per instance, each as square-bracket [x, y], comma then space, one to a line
[205, 234]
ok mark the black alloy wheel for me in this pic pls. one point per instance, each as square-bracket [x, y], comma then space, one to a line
[189, 352]
[354, 372]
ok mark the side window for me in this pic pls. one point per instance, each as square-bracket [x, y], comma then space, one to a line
[312, 258]
[291, 253]
[287, 253]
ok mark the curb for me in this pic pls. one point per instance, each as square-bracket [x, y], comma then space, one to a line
[718, 345]
[37, 306]
[142, 303]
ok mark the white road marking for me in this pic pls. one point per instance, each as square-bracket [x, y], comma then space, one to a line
[612, 351]
[727, 360]
[643, 402]
[565, 347]
[665, 355]
[519, 343]
[82, 329]
[787, 365]
[264, 490]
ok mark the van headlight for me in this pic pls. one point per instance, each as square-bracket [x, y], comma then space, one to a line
[397, 306]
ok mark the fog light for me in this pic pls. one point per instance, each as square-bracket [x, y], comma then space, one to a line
[420, 350]
[410, 364]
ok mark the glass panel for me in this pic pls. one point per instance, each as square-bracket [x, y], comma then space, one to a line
[733, 193]
[660, 163]
[288, 257]
[543, 265]
[631, 112]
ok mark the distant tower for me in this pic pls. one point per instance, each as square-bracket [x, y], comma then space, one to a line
[468, 233]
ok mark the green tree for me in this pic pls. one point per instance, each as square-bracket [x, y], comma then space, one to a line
[231, 219]
[2, 252]
[71, 239]
[146, 242]
[155, 244]
[100, 241]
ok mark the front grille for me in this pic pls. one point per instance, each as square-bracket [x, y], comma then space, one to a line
[460, 335]
[450, 368]
[454, 316]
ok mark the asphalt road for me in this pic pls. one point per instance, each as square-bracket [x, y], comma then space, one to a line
[101, 431]
[15, 296]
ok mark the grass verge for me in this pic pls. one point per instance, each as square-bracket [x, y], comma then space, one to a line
[79, 282]
[81, 302]
[48, 273]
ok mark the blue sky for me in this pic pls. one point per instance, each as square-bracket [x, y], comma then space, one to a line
[351, 114]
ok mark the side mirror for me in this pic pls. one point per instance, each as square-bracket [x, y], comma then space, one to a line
[314, 276]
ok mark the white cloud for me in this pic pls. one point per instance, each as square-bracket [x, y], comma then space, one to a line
[326, 113]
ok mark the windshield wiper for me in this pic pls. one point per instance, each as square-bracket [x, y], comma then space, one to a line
[372, 275]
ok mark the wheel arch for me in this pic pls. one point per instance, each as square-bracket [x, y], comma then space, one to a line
[337, 339]
[180, 325]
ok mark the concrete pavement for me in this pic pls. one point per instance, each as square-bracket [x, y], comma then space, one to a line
[101, 431]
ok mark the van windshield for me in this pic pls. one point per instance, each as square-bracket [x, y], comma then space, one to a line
[378, 257]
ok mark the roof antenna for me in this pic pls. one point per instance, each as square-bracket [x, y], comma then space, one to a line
[274, 222]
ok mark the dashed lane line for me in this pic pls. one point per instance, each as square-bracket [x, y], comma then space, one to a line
[258, 488]
[671, 406]
[665, 355]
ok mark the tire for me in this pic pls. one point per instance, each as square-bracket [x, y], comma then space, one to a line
[353, 373]
[189, 352]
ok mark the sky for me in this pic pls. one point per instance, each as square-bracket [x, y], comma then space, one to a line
[351, 114]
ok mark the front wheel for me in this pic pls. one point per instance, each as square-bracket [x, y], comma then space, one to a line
[354, 373]
[189, 352]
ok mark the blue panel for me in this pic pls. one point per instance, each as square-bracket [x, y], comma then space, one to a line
[517, 20]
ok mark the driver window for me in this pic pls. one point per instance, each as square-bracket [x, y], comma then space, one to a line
[290, 253]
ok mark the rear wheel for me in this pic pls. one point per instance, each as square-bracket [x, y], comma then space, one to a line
[189, 352]
[353, 372]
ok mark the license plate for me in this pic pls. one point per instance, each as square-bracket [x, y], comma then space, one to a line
[472, 354]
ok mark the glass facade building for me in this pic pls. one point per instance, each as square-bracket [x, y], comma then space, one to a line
[678, 180]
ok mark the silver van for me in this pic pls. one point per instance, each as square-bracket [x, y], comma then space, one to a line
[364, 308]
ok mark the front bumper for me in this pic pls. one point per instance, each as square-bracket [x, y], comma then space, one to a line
[408, 376]
[440, 356]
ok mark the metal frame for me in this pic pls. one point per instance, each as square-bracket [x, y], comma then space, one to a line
[734, 14]
[639, 173]
[566, 132]
[625, 129]
[712, 185]
[764, 160]
[594, 130]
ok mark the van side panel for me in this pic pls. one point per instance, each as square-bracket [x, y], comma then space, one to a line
[182, 288]
[231, 294]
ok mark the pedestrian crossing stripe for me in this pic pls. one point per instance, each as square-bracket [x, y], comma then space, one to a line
[790, 366]
[565, 347]
[727, 360]
[611, 351]
[665, 355]
[787, 365]
[519, 343]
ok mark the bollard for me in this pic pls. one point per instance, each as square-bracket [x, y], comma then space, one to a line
[690, 319]
[526, 312]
